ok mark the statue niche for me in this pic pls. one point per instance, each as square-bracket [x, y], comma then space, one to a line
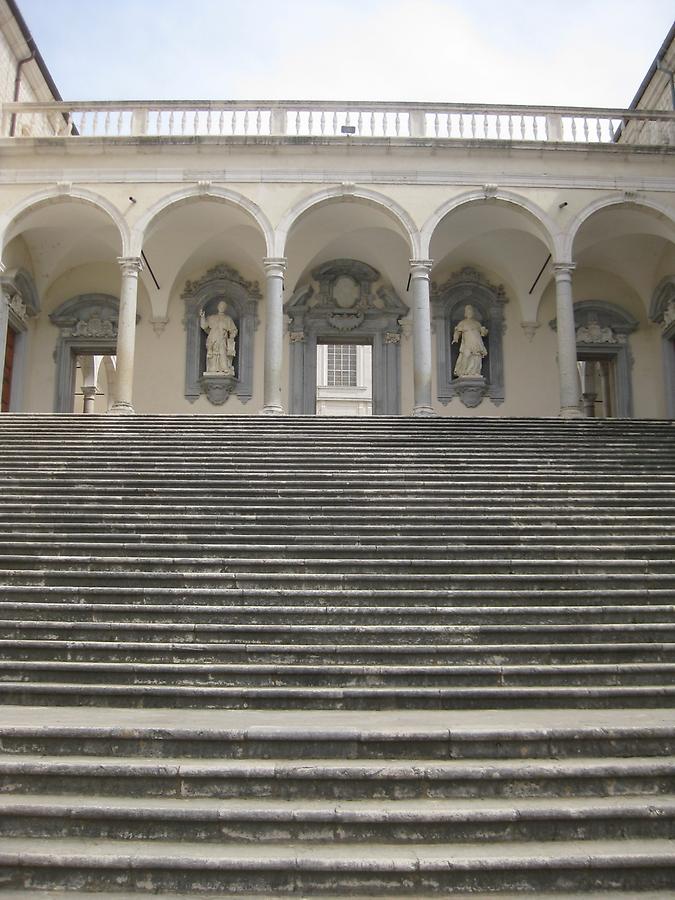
[220, 321]
[469, 316]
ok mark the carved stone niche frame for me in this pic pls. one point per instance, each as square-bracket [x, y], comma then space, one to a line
[241, 297]
[603, 331]
[469, 287]
[343, 304]
[87, 324]
[662, 311]
[19, 303]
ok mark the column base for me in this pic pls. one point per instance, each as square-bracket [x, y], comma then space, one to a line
[272, 411]
[121, 409]
[424, 412]
[571, 412]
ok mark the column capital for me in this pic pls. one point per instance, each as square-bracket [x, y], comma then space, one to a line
[421, 268]
[274, 266]
[563, 270]
[130, 265]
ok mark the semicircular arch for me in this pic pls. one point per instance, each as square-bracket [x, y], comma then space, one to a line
[188, 195]
[617, 200]
[336, 194]
[548, 230]
[54, 195]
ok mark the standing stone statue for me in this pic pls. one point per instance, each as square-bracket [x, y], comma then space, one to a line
[220, 347]
[472, 350]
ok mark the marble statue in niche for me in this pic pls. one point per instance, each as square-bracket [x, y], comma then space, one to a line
[470, 333]
[220, 341]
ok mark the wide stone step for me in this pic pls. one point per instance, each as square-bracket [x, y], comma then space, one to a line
[115, 650]
[186, 598]
[362, 635]
[279, 616]
[402, 569]
[273, 821]
[341, 674]
[83, 575]
[566, 548]
[592, 696]
[549, 736]
[646, 780]
[298, 867]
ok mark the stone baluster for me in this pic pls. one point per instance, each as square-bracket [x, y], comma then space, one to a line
[274, 327]
[567, 342]
[126, 336]
[420, 270]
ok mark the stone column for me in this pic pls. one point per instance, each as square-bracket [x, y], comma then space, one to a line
[567, 342]
[274, 335]
[126, 336]
[89, 399]
[420, 270]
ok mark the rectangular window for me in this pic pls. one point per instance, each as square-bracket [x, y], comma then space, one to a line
[341, 365]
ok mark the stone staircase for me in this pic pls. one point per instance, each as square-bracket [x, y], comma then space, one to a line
[392, 657]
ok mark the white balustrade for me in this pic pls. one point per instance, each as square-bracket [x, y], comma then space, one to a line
[331, 119]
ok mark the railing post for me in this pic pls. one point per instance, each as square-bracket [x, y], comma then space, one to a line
[554, 128]
[139, 122]
[279, 121]
[417, 123]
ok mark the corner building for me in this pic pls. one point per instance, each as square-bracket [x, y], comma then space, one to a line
[346, 240]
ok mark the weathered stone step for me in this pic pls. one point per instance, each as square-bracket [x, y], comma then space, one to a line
[591, 696]
[550, 736]
[364, 635]
[338, 614]
[225, 563]
[377, 820]
[298, 867]
[344, 779]
[421, 528]
[328, 581]
[333, 675]
[338, 596]
[647, 546]
[115, 650]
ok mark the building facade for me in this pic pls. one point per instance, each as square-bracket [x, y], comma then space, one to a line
[164, 258]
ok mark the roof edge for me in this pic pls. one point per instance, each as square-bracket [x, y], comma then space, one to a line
[33, 47]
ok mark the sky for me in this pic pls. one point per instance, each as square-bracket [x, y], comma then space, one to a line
[567, 52]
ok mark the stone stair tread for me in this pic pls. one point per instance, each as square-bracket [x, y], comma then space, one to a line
[336, 856]
[29, 894]
[347, 668]
[374, 692]
[418, 810]
[310, 768]
[348, 724]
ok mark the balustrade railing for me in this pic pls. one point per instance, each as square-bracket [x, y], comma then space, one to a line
[314, 119]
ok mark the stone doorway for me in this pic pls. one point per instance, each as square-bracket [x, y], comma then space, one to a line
[598, 386]
[345, 302]
[344, 379]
